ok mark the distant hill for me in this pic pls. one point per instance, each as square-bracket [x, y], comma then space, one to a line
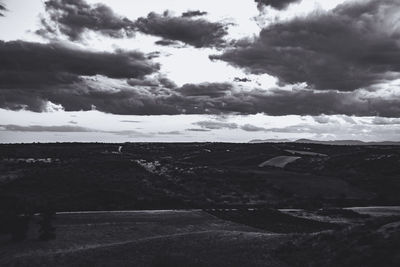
[331, 142]
[255, 141]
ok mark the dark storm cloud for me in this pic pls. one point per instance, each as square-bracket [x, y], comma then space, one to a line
[139, 82]
[276, 4]
[74, 17]
[36, 63]
[155, 101]
[211, 90]
[153, 82]
[352, 46]
[158, 95]
[241, 80]
[87, 94]
[194, 13]
[31, 74]
[195, 32]
[164, 42]
[118, 100]
[284, 102]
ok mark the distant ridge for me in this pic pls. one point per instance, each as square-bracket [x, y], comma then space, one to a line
[255, 141]
[332, 142]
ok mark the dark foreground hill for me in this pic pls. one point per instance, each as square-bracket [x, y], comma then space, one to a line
[196, 238]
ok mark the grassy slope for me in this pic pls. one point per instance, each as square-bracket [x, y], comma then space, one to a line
[374, 243]
[144, 239]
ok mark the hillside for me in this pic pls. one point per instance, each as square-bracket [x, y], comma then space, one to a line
[196, 175]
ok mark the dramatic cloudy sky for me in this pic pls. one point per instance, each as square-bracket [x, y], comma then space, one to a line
[185, 70]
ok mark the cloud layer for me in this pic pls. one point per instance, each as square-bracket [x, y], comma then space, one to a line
[193, 13]
[73, 18]
[276, 4]
[33, 73]
[195, 32]
[353, 46]
[154, 94]
[337, 53]
[61, 63]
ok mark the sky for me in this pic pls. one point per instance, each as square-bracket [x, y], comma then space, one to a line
[196, 71]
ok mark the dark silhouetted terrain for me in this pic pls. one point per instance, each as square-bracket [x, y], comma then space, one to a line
[199, 204]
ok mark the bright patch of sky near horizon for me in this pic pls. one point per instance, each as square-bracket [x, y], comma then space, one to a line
[103, 127]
